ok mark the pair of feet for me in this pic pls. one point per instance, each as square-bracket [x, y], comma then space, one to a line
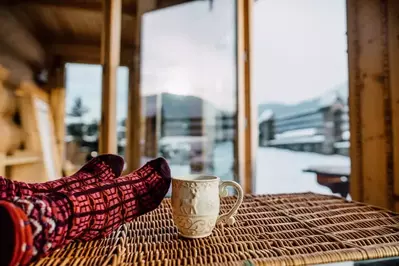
[39, 218]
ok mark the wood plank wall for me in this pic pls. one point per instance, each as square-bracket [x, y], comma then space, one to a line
[20, 52]
[373, 52]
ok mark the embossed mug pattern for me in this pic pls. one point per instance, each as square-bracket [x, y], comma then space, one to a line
[196, 204]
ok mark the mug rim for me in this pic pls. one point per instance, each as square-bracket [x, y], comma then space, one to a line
[212, 178]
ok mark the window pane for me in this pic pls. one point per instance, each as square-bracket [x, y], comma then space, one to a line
[300, 81]
[189, 87]
[83, 111]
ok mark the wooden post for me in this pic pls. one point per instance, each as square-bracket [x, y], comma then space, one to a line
[393, 44]
[158, 123]
[133, 125]
[373, 100]
[57, 102]
[111, 37]
[134, 121]
[246, 126]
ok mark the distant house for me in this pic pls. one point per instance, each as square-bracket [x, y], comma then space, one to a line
[317, 125]
[266, 127]
[187, 124]
[188, 116]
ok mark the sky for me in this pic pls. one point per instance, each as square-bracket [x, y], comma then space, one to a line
[298, 52]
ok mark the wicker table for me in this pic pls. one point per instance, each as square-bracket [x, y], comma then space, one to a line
[289, 229]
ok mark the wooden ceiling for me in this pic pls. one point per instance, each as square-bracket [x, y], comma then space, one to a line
[72, 28]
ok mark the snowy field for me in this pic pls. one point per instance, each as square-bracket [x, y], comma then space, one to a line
[281, 171]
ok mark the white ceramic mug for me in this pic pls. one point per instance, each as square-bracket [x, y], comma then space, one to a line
[196, 204]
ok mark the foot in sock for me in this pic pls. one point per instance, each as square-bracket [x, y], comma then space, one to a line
[100, 168]
[91, 212]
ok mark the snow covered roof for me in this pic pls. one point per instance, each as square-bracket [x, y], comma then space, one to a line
[265, 116]
[307, 135]
[179, 106]
[309, 106]
[340, 91]
[296, 140]
[342, 145]
[298, 133]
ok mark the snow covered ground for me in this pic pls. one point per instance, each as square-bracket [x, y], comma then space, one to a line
[281, 171]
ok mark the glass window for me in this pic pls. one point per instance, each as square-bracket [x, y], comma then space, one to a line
[83, 111]
[300, 78]
[188, 81]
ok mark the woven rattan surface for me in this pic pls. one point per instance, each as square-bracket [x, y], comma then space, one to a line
[289, 229]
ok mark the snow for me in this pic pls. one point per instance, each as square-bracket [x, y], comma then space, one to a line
[346, 135]
[342, 145]
[265, 116]
[298, 133]
[311, 139]
[177, 140]
[307, 135]
[281, 171]
[328, 98]
[277, 170]
[90, 138]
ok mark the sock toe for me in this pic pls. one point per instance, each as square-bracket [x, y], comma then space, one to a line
[115, 162]
[161, 166]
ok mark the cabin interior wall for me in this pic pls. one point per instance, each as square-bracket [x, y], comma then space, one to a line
[20, 53]
[22, 57]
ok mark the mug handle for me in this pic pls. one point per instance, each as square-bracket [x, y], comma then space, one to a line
[228, 217]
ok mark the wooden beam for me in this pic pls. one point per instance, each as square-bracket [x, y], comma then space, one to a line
[245, 143]
[89, 53]
[134, 119]
[169, 3]
[94, 6]
[111, 38]
[371, 83]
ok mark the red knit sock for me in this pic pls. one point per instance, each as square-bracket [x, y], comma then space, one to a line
[93, 211]
[100, 168]
[100, 209]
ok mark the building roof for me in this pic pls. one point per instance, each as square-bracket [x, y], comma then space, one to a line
[339, 92]
[265, 115]
[180, 107]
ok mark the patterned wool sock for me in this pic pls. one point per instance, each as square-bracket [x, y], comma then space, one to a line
[100, 168]
[52, 220]
[100, 209]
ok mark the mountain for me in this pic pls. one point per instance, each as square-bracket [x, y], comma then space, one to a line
[180, 106]
[282, 110]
